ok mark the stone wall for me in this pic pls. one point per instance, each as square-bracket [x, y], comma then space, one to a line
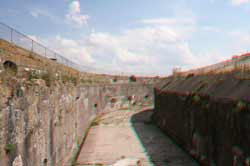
[44, 126]
[208, 115]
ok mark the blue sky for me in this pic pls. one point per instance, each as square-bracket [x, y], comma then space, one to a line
[146, 37]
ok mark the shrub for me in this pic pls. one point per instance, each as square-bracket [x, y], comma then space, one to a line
[200, 87]
[66, 78]
[10, 148]
[32, 75]
[47, 77]
[132, 78]
[94, 123]
[241, 105]
[115, 79]
[74, 80]
[196, 98]
[190, 75]
[130, 98]
[114, 100]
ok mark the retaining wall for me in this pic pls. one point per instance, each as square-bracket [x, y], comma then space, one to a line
[43, 125]
[208, 115]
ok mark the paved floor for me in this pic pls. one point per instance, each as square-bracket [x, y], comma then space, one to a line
[128, 138]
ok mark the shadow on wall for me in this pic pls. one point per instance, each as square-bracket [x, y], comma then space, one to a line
[161, 150]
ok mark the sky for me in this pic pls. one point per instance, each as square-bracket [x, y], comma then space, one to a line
[142, 37]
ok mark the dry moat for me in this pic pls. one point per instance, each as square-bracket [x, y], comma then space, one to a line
[52, 114]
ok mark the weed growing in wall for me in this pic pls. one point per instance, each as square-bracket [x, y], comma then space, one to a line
[241, 105]
[10, 148]
[200, 87]
[47, 77]
[71, 79]
[190, 75]
[33, 75]
[196, 98]
[205, 105]
[114, 100]
[132, 78]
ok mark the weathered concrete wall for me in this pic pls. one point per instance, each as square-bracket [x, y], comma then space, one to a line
[208, 115]
[43, 125]
[46, 107]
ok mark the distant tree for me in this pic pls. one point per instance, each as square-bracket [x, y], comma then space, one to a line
[114, 100]
[132, 78]
[130, 98]
[176, 70]
[115, 79]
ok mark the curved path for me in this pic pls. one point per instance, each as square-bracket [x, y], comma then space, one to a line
[128, 138]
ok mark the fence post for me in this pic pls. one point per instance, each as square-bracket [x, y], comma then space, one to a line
[32, 44]
[45, 51]
[39, 51]
[11, 35]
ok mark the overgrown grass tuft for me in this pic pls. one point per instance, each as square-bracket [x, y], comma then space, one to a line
[10, 148]
[241, 105]
[196, 98]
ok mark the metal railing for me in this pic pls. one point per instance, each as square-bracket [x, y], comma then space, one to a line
[11, 35]
[241, 63]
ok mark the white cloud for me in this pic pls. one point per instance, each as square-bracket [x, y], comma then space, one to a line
[240, 2]
[151, 50]
[39, 12]
[73, 49]
[212, 29]
[75, 16]
[240, 41]
[36, 13]
[183, 27]
[68, 48]
[75, 6]
[169, 21]
[154, 49]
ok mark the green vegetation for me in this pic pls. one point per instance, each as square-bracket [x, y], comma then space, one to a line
[205, 105]
[1, 51]
[1, 121]
[132, 78]
[114, 100]
[47, 77]
[241, 105]
[146, 97]
[196, 98]
[19, 92]
[200, 87]
[33, 75]
[190, 75]
[115, 79]
[94, 123]
[10, 148]
[69, 78]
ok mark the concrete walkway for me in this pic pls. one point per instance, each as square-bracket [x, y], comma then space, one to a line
[127, 138]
